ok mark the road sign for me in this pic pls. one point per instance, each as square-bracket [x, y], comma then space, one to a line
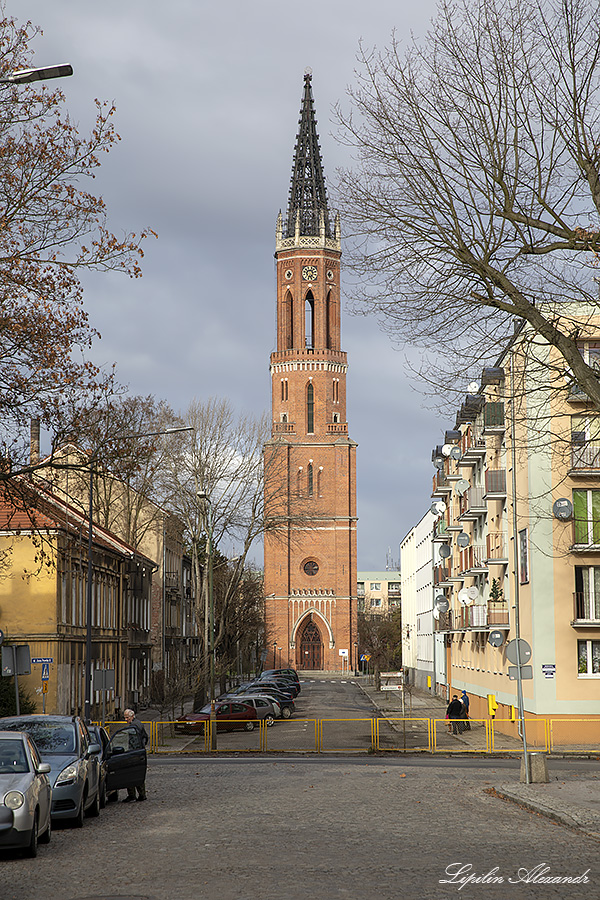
[549, 670]
[524, 651]
[365, 657]
[37, 660]
[16, 658]
[526, 673]
[45, 671]
[44, 687]
[343, 653]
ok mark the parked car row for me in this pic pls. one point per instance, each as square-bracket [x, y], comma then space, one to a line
[268, 697]
[55, 768]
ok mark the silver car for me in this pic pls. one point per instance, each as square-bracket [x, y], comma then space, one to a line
[64, 743]
[266, 708]
[25, 794]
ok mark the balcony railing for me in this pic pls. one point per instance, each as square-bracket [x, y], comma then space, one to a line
[586, 608]
[585, 456]
[493, 415]
[495, 481]
[284, 427]
[472, 443]
[440, 530]
[445, 621]
[473, 557]
[496, 546]
[441, 485]
[441, 574]
[472, 501]
[586, 533]
[337, 428]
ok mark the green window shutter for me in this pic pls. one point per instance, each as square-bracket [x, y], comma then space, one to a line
[580, 512]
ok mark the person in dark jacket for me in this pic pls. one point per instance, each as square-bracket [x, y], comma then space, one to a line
[454, 713]
[464, 699]
[131, 719]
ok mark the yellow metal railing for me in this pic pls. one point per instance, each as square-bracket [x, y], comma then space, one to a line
[401, 734]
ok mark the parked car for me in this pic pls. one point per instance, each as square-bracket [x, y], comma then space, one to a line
[284, 700]
[266, 709]
[100, 735]
[288, 673]
[25, 794]
[64, 743]
[126, 760]
[282, 681]
[230, 714]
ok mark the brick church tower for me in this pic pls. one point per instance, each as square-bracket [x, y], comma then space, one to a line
[310, 462]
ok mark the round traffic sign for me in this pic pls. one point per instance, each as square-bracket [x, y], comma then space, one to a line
[1, 636]
[524, 651]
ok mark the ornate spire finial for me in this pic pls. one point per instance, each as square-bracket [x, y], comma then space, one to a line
[308, 197]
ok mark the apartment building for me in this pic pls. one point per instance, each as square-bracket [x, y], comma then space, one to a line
[423, 655]
[45, 556]
[378, 592]
[516, 538]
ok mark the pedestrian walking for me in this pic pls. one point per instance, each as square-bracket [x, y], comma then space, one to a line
[464, 699]
[454, 712]
[142, 735]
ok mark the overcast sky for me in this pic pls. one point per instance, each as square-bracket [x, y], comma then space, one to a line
[208, 97]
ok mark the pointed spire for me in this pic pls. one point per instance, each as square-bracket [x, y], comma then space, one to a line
[308, 197]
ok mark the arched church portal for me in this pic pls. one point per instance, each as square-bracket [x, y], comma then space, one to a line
[309, 654]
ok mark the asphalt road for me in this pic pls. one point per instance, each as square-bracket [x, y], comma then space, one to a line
[293, 828]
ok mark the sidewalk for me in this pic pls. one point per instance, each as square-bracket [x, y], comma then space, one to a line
[574, 802]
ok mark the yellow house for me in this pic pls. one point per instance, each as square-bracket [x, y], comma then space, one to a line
[44, 548]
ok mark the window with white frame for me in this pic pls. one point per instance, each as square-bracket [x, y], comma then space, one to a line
[375, 585]
[588, 658]
[587, 592]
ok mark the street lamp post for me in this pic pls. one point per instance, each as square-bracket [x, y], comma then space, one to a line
[87, 709]
[26, 76]
[205, 501]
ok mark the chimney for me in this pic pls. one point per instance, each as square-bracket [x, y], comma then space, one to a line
[34, 442]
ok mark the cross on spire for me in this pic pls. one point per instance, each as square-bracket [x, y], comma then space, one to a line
[307, 206]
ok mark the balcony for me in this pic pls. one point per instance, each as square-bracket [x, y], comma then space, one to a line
[586, 611]
[172, 581]
[497, 549]
[473, 559]
[440, 530]
[337, 428]
[284, 428]
[585, 459]
[493, 418]
[495, 483]
[441, 574]
[481, 618]
[444, 623]
[472, 445]
[472, 504]
[441, 485]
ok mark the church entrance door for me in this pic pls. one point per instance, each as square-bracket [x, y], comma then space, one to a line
[310, 649]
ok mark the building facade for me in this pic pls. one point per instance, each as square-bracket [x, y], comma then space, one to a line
[310, 461]
[379, 593]
[517, 539]
[43, 595]
[422, 653]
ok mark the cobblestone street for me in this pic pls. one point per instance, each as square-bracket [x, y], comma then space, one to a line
[242, 829]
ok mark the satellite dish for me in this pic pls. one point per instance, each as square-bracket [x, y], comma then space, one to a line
[447, 449]
[439, 598]
[473, 387]
[463, 539]
[461, 486]
[438, 507]
[442, 605]
[472, 593]
[455, 453]
[496, 638]
[438, 463]
[445, 551]
[463, 597]
[562, 509]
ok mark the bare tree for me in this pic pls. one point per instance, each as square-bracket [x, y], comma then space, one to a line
[475, 199]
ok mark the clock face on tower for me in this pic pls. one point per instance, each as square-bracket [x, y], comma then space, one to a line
[309, 273]
[310, 567]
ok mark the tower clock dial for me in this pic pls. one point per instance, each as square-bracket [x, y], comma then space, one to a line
[309, 273]
[288, 274]
[311, 567]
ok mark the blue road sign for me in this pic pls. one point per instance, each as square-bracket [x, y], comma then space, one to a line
[45, 671]
[42, 659]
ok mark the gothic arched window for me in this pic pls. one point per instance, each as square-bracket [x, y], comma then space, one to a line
[310, 409]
